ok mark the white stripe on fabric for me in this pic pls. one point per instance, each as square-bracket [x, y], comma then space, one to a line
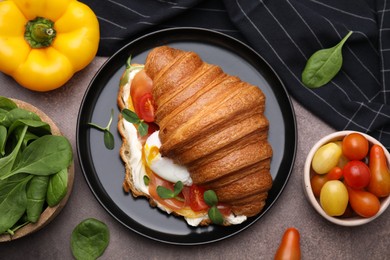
[382, 54]
[111, 22]
[128, 8]
[303, 20]
[344, 12]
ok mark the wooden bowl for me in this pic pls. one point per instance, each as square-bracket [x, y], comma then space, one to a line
[50, 212]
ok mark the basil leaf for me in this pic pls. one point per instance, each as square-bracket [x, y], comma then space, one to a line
[215, 215]
[143, 128]
[47, 155]
[323, 65]
[13, 204]
[89, 239]
[57, 188]
[130, 116]
[210, 197]
[36, 197]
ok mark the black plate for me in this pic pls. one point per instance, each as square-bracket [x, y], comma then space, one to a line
[104, 170]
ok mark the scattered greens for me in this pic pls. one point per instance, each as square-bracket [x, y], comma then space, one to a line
[30, 157]
[323, 65]
[166, 193]
[146, 180]
[132, 117]
[108, 136]
[89, 239]
[129, 68]
[211, 199]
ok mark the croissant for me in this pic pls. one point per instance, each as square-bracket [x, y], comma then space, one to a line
[213, 124]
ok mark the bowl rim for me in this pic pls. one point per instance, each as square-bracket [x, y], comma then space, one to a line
[355, 221]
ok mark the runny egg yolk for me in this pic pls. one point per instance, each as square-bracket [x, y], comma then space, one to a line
[163, 166]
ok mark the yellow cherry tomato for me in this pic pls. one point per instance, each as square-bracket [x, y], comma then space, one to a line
[334, 198]
[44, 42]
[326, 157]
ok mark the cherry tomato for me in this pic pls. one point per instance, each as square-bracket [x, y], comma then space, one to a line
[355, 146]
[356, 174]
[363, 202]
[334, 198]
[141, 94]
[326, 157]
[317, 182]
[224, 209]
[380, 173]
[197, 202]
[289, 248]
[335, 173]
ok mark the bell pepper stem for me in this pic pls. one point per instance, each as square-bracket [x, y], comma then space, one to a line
[39, 32]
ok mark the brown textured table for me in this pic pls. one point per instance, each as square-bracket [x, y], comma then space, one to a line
[320, 239]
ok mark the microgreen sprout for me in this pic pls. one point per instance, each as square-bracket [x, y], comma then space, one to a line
[108, 136]
[132, 117]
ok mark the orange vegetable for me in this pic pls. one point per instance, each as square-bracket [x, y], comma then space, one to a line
[289, 248]
[380, 173]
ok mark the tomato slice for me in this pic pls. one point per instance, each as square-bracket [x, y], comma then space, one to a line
[141, 94]
[196, 200]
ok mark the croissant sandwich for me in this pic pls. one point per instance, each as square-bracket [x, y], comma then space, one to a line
[194, 138]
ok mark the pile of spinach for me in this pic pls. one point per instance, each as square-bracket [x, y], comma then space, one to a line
[33, 166]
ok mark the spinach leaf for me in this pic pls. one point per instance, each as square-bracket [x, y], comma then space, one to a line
[13, 204]
[7, 104]
[7, 162]
[58, 187]
[45, 156]
[89, 239]
[36, 197]
[323, 65]
[16, 114]
[3, 140]
[35, 126]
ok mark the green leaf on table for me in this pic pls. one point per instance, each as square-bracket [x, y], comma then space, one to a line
[323, 65]
[89, 239]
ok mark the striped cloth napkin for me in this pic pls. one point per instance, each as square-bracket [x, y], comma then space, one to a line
[286, 33]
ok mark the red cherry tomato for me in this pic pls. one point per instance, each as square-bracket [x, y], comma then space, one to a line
[197, 202]
[289, 247]
[335, 173]
[364, 203]
[317, 181]
[141, 94]
[355, 146]
[356, 174]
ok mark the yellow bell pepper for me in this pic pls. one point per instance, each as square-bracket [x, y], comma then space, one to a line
[44, 42]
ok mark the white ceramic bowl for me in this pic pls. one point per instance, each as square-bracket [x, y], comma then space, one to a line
[352, 221]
